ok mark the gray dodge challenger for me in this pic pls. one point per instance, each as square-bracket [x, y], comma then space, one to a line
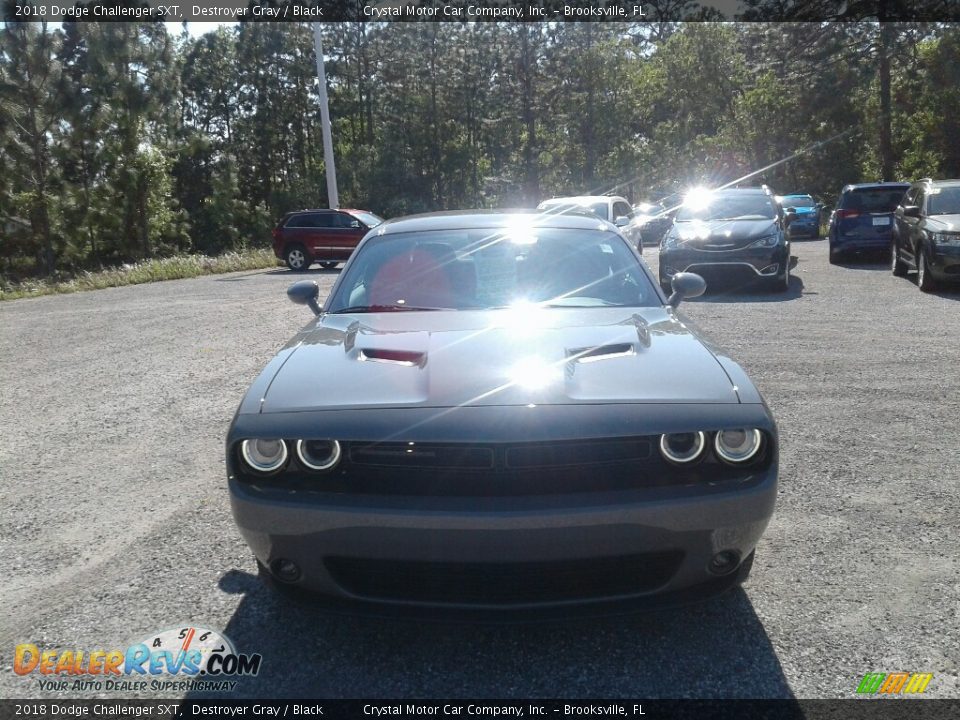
[501, 413]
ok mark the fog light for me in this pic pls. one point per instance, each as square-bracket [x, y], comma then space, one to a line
[771, 269]
[285, 570]
[724, 562]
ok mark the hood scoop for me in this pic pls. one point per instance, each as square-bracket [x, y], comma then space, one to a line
[407, 358]
[600, 352]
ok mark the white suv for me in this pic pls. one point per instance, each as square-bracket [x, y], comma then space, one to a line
[612, 208]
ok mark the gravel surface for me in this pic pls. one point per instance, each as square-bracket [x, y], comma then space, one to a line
[115, 522]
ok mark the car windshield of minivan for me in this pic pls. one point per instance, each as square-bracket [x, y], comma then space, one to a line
[944, 201]
[484, 269]
[728, 207]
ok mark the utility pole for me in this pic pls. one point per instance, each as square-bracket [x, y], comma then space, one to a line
[333, 198]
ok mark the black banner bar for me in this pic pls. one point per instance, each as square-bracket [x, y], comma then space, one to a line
[854, 709]
[481, 10]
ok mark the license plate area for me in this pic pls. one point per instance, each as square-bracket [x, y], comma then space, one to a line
[881, 221]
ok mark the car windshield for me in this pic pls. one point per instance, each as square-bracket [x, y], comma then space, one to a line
[873, 200]
[944, 201]
[752, 206]
[565, 206]
[367, 218]
[798, 202]
[486, 269]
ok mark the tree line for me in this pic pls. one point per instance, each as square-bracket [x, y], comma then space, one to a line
[123, 141]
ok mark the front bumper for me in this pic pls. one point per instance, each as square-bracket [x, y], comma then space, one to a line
[753, 262]
[944, 263]
[484, 554]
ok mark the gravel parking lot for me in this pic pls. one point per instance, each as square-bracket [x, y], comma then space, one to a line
[115, 523]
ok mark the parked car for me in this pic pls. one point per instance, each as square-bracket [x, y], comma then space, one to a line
[498, 413]
[807, 211]
[926, 234]
[863, 218]
[325, 236]
[654, 219]
[728, 234]
[612, 208]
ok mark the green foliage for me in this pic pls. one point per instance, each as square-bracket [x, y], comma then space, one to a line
[122, 142]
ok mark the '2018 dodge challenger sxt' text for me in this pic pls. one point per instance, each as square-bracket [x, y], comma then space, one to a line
[501, 412]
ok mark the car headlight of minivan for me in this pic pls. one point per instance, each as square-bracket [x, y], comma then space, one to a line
[264, 455]
[946, 239]
[737, 446]
[768, 241]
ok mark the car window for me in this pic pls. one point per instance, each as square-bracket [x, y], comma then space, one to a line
[944, 201]
[911, 197]
[621, 209]
[728, 207]
[310, 220]
[873, 200]
[343, 220]
[484, 269]
[367, 218]
[798, 202]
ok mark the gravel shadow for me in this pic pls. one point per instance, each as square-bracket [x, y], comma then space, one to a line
[717, 648]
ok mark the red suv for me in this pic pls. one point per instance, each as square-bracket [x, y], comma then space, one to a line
[304, 237]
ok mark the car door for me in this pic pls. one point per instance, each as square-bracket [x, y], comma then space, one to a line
[907, 226]
[622, 209]
[307, 229]
[346, 232]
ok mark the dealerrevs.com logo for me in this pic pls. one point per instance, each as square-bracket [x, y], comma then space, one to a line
[894, 683]
[182, 659]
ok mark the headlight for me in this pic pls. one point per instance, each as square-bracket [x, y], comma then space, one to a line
[737, 446]
[318, 454]
[948, 239]
[682, 448]
[768, 241]
[264, 456]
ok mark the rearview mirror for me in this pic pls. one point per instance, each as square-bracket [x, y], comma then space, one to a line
[305, 292]
[622, 221]
[686, 285]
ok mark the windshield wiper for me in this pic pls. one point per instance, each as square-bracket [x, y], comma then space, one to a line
[385, 308]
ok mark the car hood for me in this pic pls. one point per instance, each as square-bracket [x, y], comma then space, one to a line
[944, 223]
[722, 234]
[500, 357]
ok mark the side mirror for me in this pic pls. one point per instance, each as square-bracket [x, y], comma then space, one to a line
[686, 285]
[911, 211]
[622, 221]
[791, 215]
[305, 292]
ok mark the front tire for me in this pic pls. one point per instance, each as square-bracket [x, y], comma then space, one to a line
[897, 267]
[328, 265]
[297, 258]
[743, 572]
[782, 282]
[925, 280]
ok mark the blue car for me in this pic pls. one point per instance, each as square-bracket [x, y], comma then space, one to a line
[863, 219]
[807, 211]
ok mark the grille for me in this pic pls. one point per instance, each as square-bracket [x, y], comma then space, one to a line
[504, 583]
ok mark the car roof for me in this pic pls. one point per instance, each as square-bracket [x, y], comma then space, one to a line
[582, 199]
[939, 183]
[492, 219]
[860, 186]
[313, 210]
[797, 195]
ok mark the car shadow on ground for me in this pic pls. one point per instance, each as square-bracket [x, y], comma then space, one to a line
[731, 292]
[865, 261]
[717, 648]
[294, 276]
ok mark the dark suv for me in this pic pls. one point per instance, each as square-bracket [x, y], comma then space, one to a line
[926, 237]
[325, 236]
[863, 218]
